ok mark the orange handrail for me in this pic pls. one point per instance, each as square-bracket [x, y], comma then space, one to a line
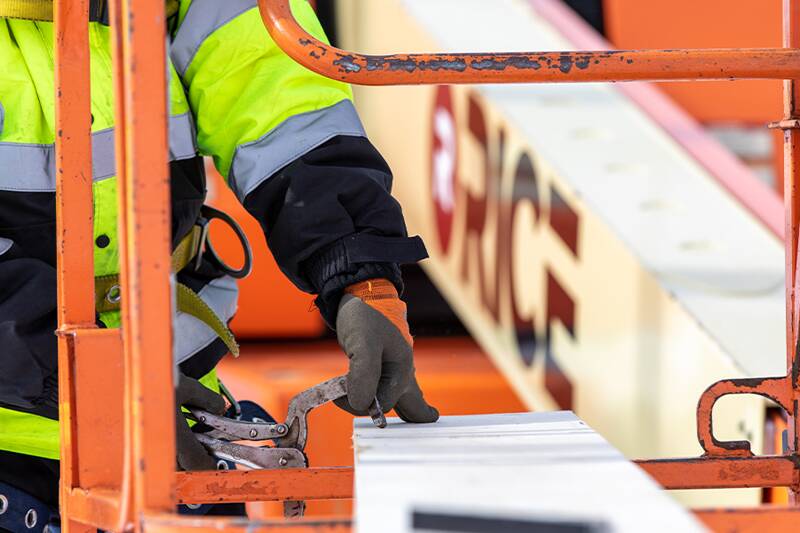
[522, 67]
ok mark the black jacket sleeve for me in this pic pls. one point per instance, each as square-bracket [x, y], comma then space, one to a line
[330, 220]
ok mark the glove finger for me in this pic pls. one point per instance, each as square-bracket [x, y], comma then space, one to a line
[344, 404]
[363, 350]
[395, 380]
[190, 454]
[412, 406]
[192, 392]
[362, 379]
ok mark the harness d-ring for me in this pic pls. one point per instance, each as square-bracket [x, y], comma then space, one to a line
[209, 214]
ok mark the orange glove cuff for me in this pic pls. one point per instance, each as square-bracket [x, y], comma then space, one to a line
[381, 295]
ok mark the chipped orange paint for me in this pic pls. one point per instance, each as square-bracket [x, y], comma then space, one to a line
[331, 483]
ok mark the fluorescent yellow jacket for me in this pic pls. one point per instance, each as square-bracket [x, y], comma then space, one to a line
[234, 96]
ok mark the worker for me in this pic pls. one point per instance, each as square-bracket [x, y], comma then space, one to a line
[291, 147]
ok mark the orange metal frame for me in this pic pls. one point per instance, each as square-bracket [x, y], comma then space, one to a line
[130, 370]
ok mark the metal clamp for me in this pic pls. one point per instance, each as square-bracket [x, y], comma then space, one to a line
[304, 402]
[207, 215]
[229, 429]
[251, 456]
[290, 437]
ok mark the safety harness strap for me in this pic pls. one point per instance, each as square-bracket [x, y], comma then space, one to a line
[42, 10]
[19, 511]
[190, 303]
[27, 9]
[107, 292]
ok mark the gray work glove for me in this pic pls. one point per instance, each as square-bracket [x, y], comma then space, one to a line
[191, 455]
[372, 329]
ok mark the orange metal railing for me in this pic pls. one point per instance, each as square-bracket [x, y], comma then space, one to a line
[116, 386]
[522, 67]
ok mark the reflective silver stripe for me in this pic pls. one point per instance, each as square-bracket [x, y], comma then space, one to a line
[5, 245]
[2, 116]
[256, 161]
[103, 163]
[31, 167]
[202, 19]
[27, 167]
[182, 139]
[190, 334]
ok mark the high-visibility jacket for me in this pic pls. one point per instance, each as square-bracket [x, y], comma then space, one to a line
[288, 142]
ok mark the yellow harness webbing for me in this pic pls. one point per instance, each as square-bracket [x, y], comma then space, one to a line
[27, 9]
[108, 295]
[42, 10]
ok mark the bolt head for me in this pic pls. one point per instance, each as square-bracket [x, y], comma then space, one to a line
[282, 461]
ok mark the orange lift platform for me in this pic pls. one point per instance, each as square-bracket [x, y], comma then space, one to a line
[118, 380]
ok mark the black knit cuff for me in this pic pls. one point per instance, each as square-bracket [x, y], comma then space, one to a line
[328, 300]
[357, 258]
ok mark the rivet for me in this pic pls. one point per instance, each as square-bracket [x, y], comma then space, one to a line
[114, 294]
[102, 241]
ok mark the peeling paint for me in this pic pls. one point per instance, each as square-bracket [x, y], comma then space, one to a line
[378, 63]
[517, 62]
[347, 64]
[565, 63]
[458, 65]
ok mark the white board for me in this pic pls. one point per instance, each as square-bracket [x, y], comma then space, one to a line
[504, 471]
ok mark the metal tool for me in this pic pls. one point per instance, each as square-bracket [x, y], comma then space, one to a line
[290, 437]
[306, 401]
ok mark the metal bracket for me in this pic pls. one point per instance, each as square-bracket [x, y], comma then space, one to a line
[777, 389]
[786, 124]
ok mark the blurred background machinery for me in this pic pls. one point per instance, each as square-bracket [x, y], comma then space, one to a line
[607, 249]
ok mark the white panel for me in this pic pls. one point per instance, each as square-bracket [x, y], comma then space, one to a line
[535, 467]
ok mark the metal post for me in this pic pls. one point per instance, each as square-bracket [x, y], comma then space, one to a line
[73, 219]
[791, 98]
[139, 49]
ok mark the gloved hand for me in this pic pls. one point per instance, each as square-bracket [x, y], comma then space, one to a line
[191, 455]
[372, 329]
